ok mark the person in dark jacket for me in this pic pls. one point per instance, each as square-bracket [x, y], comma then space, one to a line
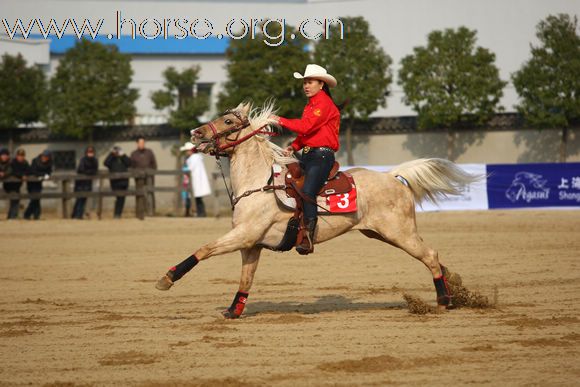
[4, 163]
[88, 165]
[5, 167]
[144, 158]
[41, 168]
[19, 168]
[117, 162]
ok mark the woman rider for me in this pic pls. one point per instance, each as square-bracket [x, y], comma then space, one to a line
[317, 136]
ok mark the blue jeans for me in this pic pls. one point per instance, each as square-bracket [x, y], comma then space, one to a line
[317, 165]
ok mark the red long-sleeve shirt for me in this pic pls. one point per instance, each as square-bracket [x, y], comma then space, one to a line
[318, 126]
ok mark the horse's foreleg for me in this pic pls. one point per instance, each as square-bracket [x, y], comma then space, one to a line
[250, 259]
[234, 240]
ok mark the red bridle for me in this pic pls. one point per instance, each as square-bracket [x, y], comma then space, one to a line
[219, 148]
[216, 138]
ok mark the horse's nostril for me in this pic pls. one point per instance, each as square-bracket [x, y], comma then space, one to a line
[196, 133]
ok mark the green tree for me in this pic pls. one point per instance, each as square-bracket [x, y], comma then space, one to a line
[22, 93]
[259, 72]
[184, 105]
[361, 67]
[548, 84]
[91, 89]
[451, 82]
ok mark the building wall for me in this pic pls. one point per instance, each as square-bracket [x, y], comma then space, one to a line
[148, 78]
[34, 51]
[522, 146]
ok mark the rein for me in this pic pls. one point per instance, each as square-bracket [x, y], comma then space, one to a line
[244, 123]
[253, 191]
[219, 149]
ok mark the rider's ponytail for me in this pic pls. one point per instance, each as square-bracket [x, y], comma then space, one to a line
[341, 106]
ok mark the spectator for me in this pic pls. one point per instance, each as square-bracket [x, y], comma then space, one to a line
[19, 168]
[144, 158]
[4, 163]
[199, 181]
[118, 162]
[40, 168]
[186, 191]
[5, 167]
[88, 165]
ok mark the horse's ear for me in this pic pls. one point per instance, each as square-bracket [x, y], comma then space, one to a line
[244, 107]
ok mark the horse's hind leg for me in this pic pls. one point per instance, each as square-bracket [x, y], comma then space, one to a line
[250, 259]
[412, 243]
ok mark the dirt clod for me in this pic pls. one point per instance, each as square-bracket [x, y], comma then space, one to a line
[417, 306]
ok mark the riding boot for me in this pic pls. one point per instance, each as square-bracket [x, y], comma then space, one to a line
[307, 244]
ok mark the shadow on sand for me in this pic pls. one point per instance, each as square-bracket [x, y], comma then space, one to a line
[330, 303]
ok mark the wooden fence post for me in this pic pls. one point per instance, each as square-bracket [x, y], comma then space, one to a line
[100, 199]
[150, 194]
[65, 198]
[143, 186]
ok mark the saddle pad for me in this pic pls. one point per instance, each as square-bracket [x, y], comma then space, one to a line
[334, 203]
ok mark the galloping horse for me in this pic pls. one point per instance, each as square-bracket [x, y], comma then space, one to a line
[386, 206]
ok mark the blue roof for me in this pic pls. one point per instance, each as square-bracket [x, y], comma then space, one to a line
[140, 45]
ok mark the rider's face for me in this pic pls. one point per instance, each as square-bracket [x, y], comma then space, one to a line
[311, 86]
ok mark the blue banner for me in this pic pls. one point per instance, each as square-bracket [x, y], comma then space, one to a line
[533, 185]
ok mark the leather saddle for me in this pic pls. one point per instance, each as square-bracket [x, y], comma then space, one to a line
[292, 198]
[337, 182]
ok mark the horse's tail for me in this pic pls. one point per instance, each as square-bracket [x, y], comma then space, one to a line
[432, 179]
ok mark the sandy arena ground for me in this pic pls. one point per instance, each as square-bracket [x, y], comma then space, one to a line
[78, 306]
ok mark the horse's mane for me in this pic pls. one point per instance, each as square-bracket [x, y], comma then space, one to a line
[258, 117]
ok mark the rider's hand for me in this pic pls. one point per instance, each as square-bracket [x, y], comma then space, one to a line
[274, 118]
[289, 151]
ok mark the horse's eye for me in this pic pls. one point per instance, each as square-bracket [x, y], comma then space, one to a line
[228, 121]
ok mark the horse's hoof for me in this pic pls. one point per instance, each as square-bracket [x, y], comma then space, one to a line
[164, 283]
[229, 315]
[303, 250]
[442, 308]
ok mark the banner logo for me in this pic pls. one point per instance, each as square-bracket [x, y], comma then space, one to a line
[527, 187]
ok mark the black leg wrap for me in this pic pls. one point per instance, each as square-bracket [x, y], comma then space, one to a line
[176, 272]
[443, 292]
[237, 307]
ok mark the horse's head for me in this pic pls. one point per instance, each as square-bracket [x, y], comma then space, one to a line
[223, 133]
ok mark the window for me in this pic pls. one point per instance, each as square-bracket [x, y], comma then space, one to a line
[203, 89]
[64, 160]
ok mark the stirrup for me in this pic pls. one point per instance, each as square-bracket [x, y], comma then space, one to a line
[305, 248]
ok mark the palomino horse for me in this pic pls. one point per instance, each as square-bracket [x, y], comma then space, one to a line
[386, 207]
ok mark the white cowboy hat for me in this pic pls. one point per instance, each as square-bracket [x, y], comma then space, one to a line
[187, 147]
[317, 72]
